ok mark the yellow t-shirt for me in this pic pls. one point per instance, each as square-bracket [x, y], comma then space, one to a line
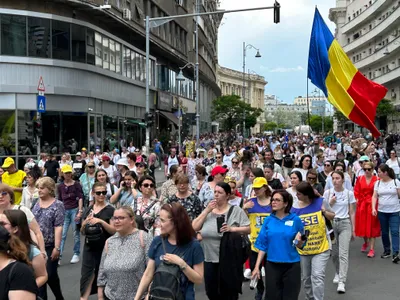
[15, 180]
[257, 215]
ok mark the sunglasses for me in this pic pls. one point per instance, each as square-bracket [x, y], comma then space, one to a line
[147, 185]
[367, 169]
[327, 165]
[235, 162]
[101, 193]
[219, 156]
[4, 194]
[91, 167]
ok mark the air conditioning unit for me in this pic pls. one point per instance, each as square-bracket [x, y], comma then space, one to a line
[127, 14]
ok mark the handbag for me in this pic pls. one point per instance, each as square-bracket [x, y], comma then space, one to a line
[139, 218]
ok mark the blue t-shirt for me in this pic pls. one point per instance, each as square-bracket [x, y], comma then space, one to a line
[125, 198]
[276, 238]
[192, 254]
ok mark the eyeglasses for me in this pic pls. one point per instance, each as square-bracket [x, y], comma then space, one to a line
[147, 185]
[392, 153]
[219, 157]
[3, 193]
[91, 167]
[235, 162]
[367, 169]
[327, 165]
[311, 178]
[98, 193]
[276, 200]
[4, 223]
[118, 218]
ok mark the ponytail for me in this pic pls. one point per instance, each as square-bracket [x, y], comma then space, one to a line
[17, 250]
[391, 174]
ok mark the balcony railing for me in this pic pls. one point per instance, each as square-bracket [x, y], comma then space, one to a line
[393, 74]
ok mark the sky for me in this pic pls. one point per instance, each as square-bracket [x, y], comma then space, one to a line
[283, 47]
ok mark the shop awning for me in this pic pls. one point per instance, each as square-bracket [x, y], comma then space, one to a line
[170, 116]
[132, 121]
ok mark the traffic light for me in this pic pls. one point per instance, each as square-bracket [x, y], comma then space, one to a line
[277, 12]
[149, 119]
[29, 129]
[37, 128]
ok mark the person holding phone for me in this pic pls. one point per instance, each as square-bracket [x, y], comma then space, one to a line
[278, 239]
[342, 202]
[314, 257]
[125, 195]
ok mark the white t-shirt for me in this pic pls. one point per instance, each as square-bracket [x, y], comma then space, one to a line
[394, 165]
[27, 211]
[343, 199]
[227, 160]
[293, 193]
[111, 172]
[388, 200]
[235, 202]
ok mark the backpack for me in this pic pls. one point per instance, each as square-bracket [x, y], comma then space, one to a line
[166, 283]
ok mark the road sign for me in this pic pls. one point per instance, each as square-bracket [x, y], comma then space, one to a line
[41, 87]
[41, 104]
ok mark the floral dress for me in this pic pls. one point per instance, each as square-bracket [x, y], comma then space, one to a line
[206, 194]
[191, 167]
[150, 215]
[192, 204]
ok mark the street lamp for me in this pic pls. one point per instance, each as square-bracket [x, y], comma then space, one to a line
[258, 55]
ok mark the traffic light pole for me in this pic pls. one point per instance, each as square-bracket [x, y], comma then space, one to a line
[38, 117]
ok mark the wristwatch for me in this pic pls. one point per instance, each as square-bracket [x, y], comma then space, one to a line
[183, 267]
[57, 248]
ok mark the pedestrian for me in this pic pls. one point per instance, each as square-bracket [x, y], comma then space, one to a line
[386, 195]
[322, 176]
[78, 166]
[87, 180]
[50, 214]
[30, 193]
[342, 203]
[110, 169]
[158, 149]
[101, 176]
[280, 231]
[51, 167]
[190, 201]
[14, 178]
[199, 179]
[366, 225]
[168, 188]
[394, 163]
[257, 209]
[16, 277]
[211, 234]
[314, 256]
[176, 245]
[206, 193]
[171, 160]
[15, 222]
[70, 193]
[295, 178]
[125, 195]
[275, 180]
[124, 258]
[131, 158]
[305, 166]
[312, 178]
[97, 229]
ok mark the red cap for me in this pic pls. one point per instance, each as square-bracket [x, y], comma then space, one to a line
[105, 157]
[218, 170]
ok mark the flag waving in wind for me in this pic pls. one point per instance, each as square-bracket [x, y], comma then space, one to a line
[346, 88]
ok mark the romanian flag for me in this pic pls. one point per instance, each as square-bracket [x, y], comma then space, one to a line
[346, 88]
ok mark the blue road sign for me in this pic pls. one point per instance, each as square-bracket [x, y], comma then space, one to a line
[41, 104]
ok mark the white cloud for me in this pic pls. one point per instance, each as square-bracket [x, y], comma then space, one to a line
[285, 69]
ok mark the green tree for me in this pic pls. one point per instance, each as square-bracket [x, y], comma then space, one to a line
[385, 108]
[316, 123]
[228, 111]
[270, 126]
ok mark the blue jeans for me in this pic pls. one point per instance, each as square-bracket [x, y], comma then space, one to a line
[390, 221]
[70, 215]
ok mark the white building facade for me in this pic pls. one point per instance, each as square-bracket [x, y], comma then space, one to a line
[231, 83]
[369, 32]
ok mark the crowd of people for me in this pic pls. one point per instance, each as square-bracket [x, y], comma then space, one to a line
[270, 209]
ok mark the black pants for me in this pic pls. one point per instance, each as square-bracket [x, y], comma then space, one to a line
[90, 266]
[283, 281]
[211, 275]
[53, 279]
[253, 261]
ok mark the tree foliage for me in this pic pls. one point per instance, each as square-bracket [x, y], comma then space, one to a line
[228, 111]
[316, 123]
[386, 108]
[270, 126]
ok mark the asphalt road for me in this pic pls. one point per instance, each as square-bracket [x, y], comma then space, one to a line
[368, 279]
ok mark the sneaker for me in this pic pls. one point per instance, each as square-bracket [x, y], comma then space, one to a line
[385, 254]
[341, 288]
[75, 259]
[159, 169]
[336, 279]
[371, 253]
[396, 258]
[263, 272]
[364, 247]
[247, 274]
[259, 295]
[59, 261]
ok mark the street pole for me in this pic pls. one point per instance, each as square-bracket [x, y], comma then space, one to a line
[244, 88]
[197, 84]
[147, 143]
[179, 127]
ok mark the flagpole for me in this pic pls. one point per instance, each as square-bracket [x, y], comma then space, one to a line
[308, 105]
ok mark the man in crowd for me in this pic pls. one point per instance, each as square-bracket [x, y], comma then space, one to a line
[14, 178]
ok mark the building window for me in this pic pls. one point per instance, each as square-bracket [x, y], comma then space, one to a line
[106, 54]
[78, 43]
[118, 58]
[112, 55]
[99, 50]
[90, 55]
[127, 63]
[136, 65]
[39, 37]
[142, 68]
[13, 35]
[61, 40]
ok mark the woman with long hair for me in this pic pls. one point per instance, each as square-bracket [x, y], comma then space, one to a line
[193, 161]
[341, 201]
[169, 188]
[288, 158]
[275, 241]
[30, 193]
[206, 223]
[50, 214]
[124, 258]
[312, 179]
[314, 257]
[87, 180]
[394, 163]
[131, 157]
[199, 179]
[190, 201]
[102, 177]
[15, 222]
[16, 278]
[235, 172]
[127, 192]
[176, 245]
[386, 195]
[247, 183]
[305, 166]
[97, 229]
[278, 155]
[366, 226]
[257, 209]
[206, 193]
[184, 161]
[295, 178]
